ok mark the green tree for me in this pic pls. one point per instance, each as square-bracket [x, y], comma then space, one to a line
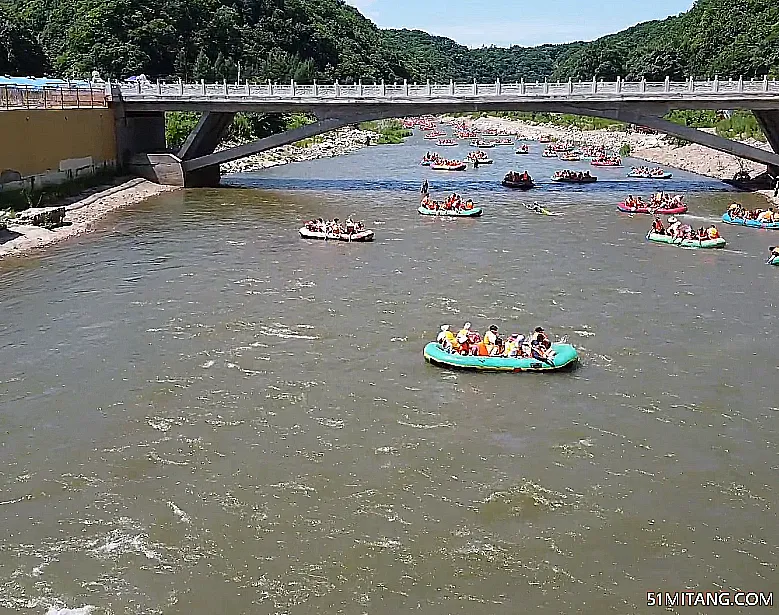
[178, 125]
[20, 52]
[203, 68]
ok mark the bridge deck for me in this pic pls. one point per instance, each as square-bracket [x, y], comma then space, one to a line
[335, 105]
[713, 94]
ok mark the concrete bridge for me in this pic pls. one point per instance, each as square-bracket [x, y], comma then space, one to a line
[140, 111]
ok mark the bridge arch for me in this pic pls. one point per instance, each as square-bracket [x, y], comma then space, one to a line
[337, 106]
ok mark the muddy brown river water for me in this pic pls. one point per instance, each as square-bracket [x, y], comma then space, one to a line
[201, 413]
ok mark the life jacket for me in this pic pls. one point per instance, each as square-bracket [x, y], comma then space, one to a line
[451, 339]
[481, 350]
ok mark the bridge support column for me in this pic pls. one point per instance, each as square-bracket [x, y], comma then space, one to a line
[285, 138]
[167, 168]
[138, 133]
[734, 148]
[769, 123]
[206, 135]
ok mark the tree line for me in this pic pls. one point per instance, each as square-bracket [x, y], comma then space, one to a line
[329, 40]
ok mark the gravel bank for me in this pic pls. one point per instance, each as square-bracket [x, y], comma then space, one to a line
[335, 143]
[19, 239]
[652, 148]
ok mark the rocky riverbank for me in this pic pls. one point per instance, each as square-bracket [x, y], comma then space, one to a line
[335, 143]
[658, 149]
[80, 216]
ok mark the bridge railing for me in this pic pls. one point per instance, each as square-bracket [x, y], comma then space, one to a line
[51, 97]
[292, 90]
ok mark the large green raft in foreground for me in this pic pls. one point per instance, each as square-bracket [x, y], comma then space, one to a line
[687, 243]
[566, 357]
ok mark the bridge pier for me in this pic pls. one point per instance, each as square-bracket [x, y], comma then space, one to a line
[147, 156]
[138, 133]
[255, 147]
[769, 123]
[168, 169]
[652, 118]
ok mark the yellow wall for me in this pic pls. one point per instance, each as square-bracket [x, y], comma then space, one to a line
[34, 141]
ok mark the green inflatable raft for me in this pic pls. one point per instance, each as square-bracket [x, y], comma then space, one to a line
[566, 357]
[687, 243]
[774, 261]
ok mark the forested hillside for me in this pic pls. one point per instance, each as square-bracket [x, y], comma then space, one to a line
[724, 37]
[194, 39]
[328, 39]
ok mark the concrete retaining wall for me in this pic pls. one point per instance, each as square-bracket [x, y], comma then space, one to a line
[42, 147]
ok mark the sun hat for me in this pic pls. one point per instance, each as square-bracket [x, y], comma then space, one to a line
[672, 220]
[467, 325]
[444, 327]
[539, 329]
[493, 327]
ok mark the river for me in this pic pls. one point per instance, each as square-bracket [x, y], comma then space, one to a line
[201, 413]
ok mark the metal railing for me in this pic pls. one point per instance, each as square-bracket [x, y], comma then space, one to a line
[291, 90]
[52, 97]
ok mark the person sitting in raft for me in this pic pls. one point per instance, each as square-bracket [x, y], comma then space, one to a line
[541, 345]
[713, 232]
[673, 226]
[766, 216]
[491, 339]
[539, 336]
[500, 345]
[464, 338]
[685, 232]
[657, 226]
[446, 339]
[774, 250]
[523, 347]
[511, 348]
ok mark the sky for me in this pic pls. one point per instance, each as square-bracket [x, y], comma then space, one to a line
[517, 22]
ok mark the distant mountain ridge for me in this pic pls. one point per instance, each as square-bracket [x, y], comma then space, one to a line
[328, 40]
